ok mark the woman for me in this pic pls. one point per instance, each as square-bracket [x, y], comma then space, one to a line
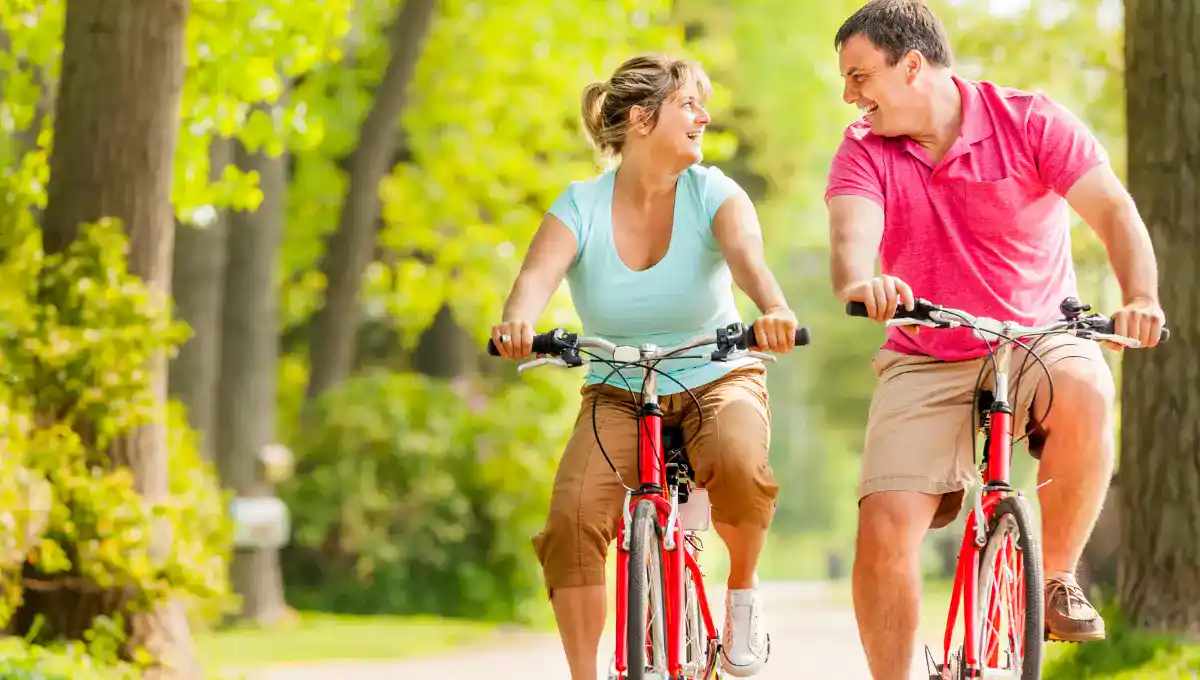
[650, 250]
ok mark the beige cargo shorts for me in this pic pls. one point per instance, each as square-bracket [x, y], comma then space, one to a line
[919, 434]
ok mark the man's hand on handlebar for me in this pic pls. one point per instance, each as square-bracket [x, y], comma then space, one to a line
[775, 331]
[1141, 319]
[882, 295]
[514, 339]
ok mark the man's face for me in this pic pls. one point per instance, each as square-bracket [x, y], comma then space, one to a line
[884, 93]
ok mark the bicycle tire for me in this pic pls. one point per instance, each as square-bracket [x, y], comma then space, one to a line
[1009, 514]
[645, 595]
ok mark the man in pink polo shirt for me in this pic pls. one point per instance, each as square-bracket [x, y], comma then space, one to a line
[962, 189]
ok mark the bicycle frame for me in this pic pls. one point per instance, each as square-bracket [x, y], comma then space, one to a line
[998, 455]
[654, 485]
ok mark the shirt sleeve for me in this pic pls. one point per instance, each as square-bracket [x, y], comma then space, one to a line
[717, 189]
[566, 209]
[852, 172]
[1063, 148]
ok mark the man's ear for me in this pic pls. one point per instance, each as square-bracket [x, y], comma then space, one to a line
[913, 63]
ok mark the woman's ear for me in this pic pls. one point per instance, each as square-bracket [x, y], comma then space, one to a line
[639, 120]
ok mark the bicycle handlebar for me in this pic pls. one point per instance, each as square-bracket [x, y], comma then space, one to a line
[733, 336]
[1096, 326]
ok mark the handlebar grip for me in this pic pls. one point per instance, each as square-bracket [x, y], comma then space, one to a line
[1110, 328]
[546, 343]
[802, 337]
[543, 343]
[856, 309]
[860, 309]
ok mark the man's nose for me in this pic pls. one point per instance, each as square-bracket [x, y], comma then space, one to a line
[849, 94]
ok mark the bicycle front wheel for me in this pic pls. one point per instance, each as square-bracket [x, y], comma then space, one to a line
[1009, 618]
[645, 630]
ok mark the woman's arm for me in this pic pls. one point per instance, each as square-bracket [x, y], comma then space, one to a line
[737, 231]
[549, 257]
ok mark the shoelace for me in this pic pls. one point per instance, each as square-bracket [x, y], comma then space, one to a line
[1071, 591]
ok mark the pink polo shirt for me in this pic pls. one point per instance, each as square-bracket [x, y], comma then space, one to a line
[986, 229]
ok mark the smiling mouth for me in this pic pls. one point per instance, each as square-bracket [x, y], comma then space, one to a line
[869, 109]
[695, 136]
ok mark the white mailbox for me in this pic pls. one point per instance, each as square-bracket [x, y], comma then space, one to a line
[261, 522]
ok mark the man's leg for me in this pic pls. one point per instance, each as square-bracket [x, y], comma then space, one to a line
[1077, 460]
[887, 577]
[916, 463]
[729, 451]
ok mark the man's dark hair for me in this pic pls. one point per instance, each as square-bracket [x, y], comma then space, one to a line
[897, 26]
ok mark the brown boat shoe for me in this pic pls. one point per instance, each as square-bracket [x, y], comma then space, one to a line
[1069, 615]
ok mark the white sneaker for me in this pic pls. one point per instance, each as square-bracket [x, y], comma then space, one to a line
[746, 644]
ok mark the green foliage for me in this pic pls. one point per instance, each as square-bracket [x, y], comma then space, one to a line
[95, 660]
[1126, 654]
[76, 346]
[417, 495]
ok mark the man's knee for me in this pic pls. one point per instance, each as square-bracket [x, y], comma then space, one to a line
[1084, 397]
[891, 524]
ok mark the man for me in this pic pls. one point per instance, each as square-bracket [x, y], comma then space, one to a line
[962, 189]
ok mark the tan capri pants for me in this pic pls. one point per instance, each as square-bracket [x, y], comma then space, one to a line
[728, 454]
[919, 429]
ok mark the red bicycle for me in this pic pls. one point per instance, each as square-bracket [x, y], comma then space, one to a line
[664, 625]
[1000, 556]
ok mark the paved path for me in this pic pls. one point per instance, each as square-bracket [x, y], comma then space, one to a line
[812, 635]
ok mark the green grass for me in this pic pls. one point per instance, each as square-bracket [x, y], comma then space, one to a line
[328, 637]
[1126, 654]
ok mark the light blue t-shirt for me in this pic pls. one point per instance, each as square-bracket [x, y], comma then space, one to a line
[688, 292]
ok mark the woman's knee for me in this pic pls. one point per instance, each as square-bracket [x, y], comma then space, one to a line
[739, 480]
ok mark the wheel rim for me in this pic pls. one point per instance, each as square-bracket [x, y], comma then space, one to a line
[1001, 618]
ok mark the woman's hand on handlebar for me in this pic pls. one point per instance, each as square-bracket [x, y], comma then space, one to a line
[882, 295]
[775, 331]
[514, 339]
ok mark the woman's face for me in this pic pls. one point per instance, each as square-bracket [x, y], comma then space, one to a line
[680, 127]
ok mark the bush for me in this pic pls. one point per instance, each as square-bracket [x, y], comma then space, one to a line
[75, 344]
[414, 495]
[20, 660]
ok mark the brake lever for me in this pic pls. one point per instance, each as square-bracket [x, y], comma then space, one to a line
[540, 362]
[917, 322]
[762, 355]
[1132, 343]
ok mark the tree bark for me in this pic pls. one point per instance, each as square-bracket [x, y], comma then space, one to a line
[249, 373]
[335, 324]
[116, 125]
[1159, 579]
[198, 284]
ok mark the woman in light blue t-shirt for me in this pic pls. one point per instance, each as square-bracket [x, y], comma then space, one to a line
[651, 250]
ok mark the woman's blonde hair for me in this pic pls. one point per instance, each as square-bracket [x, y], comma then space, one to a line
[646, 81]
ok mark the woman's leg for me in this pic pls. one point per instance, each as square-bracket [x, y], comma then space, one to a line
[728, 448]
[584, 508]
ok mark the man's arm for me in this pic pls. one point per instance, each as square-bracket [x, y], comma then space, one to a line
[736, 229]
[855, 232]
[1108, 209]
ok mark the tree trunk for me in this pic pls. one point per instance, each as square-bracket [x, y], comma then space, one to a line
[198, 285]
[116, 124]
[445, 350]
[335, 324]
[1159, 580]
[249, 373]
